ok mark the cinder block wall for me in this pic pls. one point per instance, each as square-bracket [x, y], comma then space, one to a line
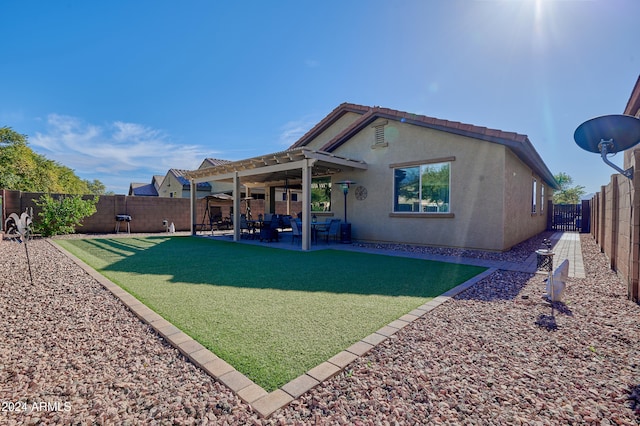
[147, 213]
[615, 226]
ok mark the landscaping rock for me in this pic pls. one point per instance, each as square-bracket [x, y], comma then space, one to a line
[71, 353]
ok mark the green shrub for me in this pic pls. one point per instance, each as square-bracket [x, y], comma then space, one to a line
[63, 215]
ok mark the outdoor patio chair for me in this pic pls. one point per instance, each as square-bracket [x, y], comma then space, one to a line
[246, 228]
[332, 230]
[295, 232]
[269, 231]
[285, 222]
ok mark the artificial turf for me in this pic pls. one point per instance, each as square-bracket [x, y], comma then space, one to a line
[272, 314]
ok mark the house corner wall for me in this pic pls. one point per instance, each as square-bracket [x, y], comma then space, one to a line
[477, 195]
[519, 222]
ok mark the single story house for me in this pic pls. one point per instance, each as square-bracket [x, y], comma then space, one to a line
[414, 179]
[176, 185]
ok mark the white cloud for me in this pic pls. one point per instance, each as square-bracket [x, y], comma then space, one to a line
[113, 148]
[294, 130]
[115, 153]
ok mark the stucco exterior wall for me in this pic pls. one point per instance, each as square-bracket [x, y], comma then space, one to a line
[342, 123]
[476, 189]
[170, 185]
[520, 222]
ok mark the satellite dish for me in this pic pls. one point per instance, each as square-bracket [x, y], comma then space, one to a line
[622, 130]
[609, 134]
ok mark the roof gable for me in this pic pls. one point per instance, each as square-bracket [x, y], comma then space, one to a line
[329, 121]
[518, 143]
[180, 175]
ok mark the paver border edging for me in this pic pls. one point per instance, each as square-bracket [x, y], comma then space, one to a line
[263, 402]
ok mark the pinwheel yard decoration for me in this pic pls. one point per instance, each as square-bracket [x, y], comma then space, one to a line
[18, 228]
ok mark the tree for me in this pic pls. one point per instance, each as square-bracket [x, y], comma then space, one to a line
[22, 169]
[97, 188]
[567, 194]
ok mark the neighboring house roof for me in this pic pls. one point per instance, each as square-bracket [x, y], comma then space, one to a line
[519, 144]
[212, 162]
[143, 190]
[157, 180]
[179, 174]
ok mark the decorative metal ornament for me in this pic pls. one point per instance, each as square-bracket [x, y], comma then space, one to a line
[361, 193]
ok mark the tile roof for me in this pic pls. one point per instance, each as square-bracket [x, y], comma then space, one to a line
[519, 143]
[215, 161]
[143, 190]
[180, 175]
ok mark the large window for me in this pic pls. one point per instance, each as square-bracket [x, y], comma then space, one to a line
[422, 188]
[321, 194]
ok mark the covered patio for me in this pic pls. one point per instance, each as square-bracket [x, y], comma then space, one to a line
[296, 166]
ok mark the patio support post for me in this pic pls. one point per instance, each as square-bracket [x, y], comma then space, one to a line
[236, 207]
[192, 193]
[306, 205]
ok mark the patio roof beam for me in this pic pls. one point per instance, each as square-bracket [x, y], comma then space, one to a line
[337, 161]
[274, 168]
[288, 160]
[216, 177]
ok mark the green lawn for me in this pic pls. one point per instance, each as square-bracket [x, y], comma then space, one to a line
[273, 314]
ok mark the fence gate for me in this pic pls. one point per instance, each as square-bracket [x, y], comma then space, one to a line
[568, 217]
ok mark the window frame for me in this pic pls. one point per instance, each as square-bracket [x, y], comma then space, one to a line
[329, 182]
[435, 161]
[534, 195]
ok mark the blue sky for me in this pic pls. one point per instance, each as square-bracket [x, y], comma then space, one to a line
[122, 90]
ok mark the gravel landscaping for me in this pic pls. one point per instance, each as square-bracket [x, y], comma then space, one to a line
[71, 353]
